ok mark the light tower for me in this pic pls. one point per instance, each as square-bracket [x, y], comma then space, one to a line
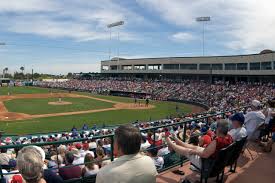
[203, 20]
[110, 26]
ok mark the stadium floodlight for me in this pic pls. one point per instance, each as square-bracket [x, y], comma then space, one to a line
[115, 24]
[203, 20]
[110, 26]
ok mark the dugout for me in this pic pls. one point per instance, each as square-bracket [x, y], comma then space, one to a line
[129, 94]
[4, 81]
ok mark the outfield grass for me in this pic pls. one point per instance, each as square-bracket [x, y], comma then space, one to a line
[60, 123]
[41, 106]
[24, 90]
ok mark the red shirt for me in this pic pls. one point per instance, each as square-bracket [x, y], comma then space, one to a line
[206, 140]
[70, 173]
[151, 141]
[222, 142]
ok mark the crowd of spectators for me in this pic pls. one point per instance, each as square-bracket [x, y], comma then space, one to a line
[139, 155]
[90, 156]
[219, 95]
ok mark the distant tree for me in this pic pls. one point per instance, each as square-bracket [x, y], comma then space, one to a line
[18, 75]
[5, 70]
[69, 75]
[36, 75]
[8, 75]
[22, 69]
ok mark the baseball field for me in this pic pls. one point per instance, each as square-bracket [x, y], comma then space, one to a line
[25, 110]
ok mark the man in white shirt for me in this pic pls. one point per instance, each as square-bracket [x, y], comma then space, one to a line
[144, 143]
[77, 157]
[238, 132]
[130, 166]
[152, 151]
[253, 120]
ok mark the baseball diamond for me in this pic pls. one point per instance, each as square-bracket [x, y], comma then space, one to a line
[32, 107]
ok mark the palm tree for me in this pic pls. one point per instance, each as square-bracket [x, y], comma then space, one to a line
[5, 70]
[22, 69]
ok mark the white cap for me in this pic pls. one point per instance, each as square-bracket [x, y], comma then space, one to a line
[256, 103]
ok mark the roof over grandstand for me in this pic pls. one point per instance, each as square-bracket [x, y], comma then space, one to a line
[266, 51]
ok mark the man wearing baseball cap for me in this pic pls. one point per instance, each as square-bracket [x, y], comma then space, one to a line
[253, 120]
[238, 132]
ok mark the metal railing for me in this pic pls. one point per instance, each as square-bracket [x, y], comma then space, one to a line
[55, 144]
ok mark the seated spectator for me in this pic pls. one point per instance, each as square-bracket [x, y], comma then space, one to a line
[163, 151]
[106, 158]
[206, 138]
[92, 145]
[55, 162]
[77, 157]
[195, 153]
[144, 143]
[130, 166]
[13, 169]
[70, 172]
[74, 129]
[152, 151]
[90, 167]
[171, 158]
[85, 150]
[100, 155]
[4, 157]
[85, 127]
[253, 120]
[30, 165]
[194, 139]
[155, 139]
[49, 175]
[238, 132]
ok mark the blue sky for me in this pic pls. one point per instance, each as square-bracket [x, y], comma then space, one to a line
[60, 36]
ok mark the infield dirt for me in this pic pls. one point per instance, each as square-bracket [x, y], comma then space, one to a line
[5, 115]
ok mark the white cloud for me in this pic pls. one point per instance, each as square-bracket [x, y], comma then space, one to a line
[78, 20]
[27, 6]
[247, 25]
[183, 37]
[44, 26]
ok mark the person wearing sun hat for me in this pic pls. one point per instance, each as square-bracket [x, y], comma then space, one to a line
[253, 120]
[77, 157]
[238, 132]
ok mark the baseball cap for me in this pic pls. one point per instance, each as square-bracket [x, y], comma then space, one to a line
[12, 163]
[238, 117]
[78, 146]
[256, 103]
[204, 130]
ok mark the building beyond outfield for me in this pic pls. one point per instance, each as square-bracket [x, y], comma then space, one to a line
[255, 67]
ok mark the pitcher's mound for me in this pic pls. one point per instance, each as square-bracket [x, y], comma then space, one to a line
[60, 103]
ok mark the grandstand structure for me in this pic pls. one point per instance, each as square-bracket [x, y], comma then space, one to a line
[250, 68]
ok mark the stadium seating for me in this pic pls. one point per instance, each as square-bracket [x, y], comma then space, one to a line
[215, 167]
[239, 146]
